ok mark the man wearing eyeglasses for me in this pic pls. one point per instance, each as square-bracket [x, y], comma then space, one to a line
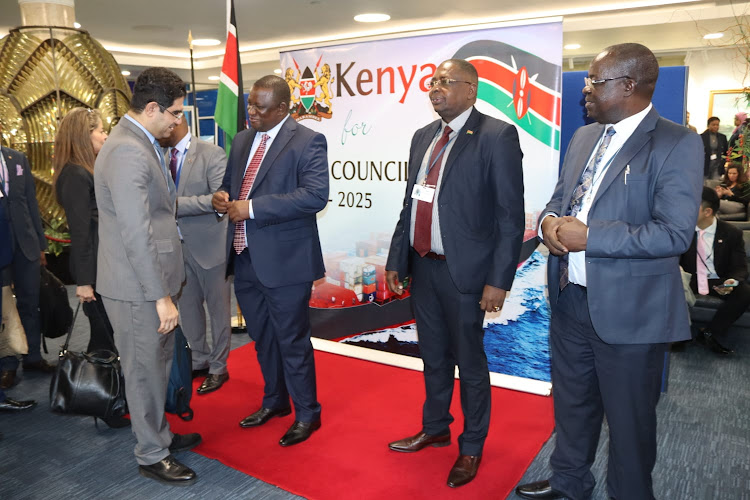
[623, 212]
[140, 265]
[458, 237]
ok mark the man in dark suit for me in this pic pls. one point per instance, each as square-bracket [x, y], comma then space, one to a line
[275, 184]
[139, 265]
[622, 213]
[459, 238]
[197, 168]
[719, 268]
[29, 244]
[714, 149]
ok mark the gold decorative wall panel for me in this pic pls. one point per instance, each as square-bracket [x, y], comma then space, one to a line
[44, 73]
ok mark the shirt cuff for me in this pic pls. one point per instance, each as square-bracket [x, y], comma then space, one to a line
[250, 208]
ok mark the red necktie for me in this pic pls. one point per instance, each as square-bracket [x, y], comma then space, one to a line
[247, 184]
[173, 164]
[423, 222]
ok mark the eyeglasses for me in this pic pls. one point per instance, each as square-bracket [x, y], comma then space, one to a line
[589, 82]
[257, 109]
[445, 82]
[177, 116]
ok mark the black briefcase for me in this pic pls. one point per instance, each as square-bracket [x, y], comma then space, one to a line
[88, 383]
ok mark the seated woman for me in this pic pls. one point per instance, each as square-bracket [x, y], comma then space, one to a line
[734, 191]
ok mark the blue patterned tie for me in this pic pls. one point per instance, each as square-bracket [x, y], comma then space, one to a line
[581, 190]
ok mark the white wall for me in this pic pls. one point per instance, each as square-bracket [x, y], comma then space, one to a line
[714, 69]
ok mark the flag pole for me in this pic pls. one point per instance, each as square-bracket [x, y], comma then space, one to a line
[196, 132]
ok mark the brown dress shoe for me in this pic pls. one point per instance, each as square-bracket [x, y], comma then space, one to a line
[416, 443]
[7, 379]
[213, 382]
[464, 470]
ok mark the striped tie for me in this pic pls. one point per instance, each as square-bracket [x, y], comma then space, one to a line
[247, 184]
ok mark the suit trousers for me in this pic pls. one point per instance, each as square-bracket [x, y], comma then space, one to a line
[212, 287]
[146, 359]
[592, 379]
[26, 279]
[450, 331]
[732, 306]
[278, 319]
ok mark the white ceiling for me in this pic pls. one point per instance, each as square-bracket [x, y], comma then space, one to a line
[144, 33]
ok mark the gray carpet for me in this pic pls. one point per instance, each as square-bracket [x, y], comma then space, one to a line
[704, 442]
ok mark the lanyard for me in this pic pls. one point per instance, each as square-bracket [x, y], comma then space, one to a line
[439, 155]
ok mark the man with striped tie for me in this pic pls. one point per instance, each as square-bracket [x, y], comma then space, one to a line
[623, 212]
[275, 183]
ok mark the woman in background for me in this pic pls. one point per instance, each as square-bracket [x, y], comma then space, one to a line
[79, 138]
[734, 191]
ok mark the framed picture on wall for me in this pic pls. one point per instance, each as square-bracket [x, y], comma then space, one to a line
[725, 104]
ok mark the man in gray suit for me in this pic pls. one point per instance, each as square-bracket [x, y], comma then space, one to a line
[140, 267]
[197, 168]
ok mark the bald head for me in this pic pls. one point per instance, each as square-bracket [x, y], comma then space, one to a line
[636, 61]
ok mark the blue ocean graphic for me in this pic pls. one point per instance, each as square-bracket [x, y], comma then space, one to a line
[516, 340]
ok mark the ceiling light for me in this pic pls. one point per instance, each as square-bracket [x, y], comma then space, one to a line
[713, 36]
[277, 71]
[206, 42]
[214, 78]
[371, 18]
[572, 46]
[77, 26]
[125, 72]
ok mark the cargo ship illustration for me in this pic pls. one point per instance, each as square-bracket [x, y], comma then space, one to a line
[354, 298]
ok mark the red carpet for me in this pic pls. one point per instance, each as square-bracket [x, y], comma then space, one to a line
[365, 406]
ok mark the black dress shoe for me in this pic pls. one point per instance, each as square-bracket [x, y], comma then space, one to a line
[184, 442]
[212, 382]
[200, 373]
[168, 471]
[298, 432]
[263, 415]
[419, 441]
[40, 366]
[710, 341]
[7, 379]
[464, 470]
[539, 490]
[13, 405]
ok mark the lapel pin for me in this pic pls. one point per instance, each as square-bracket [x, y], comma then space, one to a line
[721, 241]
[469, 132]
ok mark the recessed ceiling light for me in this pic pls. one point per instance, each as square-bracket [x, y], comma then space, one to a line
[572, 46]
[713, 36]
[277, 71]
[125, 72]
[371, 18]
[77, 26]
[214, 78]
[206, 42]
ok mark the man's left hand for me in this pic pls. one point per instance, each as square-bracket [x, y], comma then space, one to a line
[238, 210]
[492, 299]
[573, 234]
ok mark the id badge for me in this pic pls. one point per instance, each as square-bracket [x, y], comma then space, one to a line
[423, 193]
[713, 156]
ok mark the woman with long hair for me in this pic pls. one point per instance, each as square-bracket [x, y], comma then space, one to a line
[79, 138]
[734, 191]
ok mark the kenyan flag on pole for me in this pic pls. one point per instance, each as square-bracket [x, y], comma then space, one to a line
[230, 108]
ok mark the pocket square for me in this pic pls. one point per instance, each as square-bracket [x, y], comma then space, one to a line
[19, 170]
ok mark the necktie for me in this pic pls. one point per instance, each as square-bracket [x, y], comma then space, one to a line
[160, 154]
[423, 221]
[173, 164]
[700, 266]
[583, 187]
[247, 184]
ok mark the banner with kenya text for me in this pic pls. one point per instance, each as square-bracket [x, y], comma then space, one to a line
[368, 99]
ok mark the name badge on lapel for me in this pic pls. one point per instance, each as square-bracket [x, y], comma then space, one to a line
[423, 193]
[19, 170]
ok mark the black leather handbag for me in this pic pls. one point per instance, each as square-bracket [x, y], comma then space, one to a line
[89, 383]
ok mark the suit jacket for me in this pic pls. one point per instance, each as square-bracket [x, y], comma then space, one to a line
[637, 230]
[75, 192]
[480, 204]
[22, 207]
[140, 257]
[202, 172]
[290, 188]
[730, 260]
[723, 146]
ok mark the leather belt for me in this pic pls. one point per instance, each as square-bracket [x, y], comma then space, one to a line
[434, 256]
